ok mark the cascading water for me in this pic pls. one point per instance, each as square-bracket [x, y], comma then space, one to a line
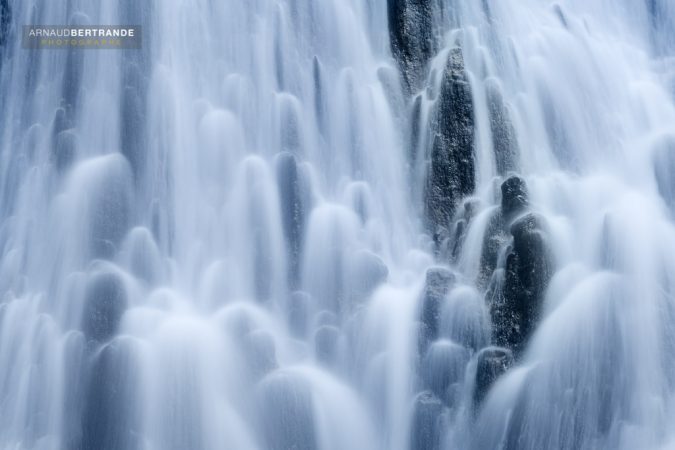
[340, 224]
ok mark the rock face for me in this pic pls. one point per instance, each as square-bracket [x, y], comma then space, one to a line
[105, 303]
[5, 21]
[526, 276]
[438, 283]
[412, 38]
[514, 197]
[514, 202]
[427, 426]
[504, 140]
[451, 173]
[292, 209]
[491, 364]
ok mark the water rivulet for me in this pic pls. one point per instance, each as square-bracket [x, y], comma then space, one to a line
[340, 224]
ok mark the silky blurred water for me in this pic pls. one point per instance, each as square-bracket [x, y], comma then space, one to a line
[218, 241]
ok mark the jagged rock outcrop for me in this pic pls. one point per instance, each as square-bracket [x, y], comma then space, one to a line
[451, 171]
[514, 202]
[412, 38]
[5, 21]
[492, 362]
[516, 307]
[293, 210]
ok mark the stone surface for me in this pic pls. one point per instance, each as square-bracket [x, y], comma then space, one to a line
[412, 38]
[492, 362]
[528, 271]
[293, 211]
[451, 171]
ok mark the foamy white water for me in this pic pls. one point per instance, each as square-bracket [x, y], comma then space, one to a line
[340, 224]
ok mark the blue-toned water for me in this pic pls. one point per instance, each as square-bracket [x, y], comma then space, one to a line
[339, 224]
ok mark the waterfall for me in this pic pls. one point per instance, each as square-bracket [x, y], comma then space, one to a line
[339, 224]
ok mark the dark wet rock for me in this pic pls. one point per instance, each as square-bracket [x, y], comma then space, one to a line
[526, 276]
[494, 240]
[664, 169]
[326, 344]
[504, 139]
[260, 353]
[443, 366]
[438, 283]
[5, 21]
[286, 412]
[415, 130]
[366, 272]
[298, 312]
[452, 247]
[427, 422]
[111, 414]
[492, 362]
[451, 174]
[514, 202]
[412, 39]
[458, 237]
[105, 303]
[514, 197]
[293, 210]
[319, 105]
[64, 150]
